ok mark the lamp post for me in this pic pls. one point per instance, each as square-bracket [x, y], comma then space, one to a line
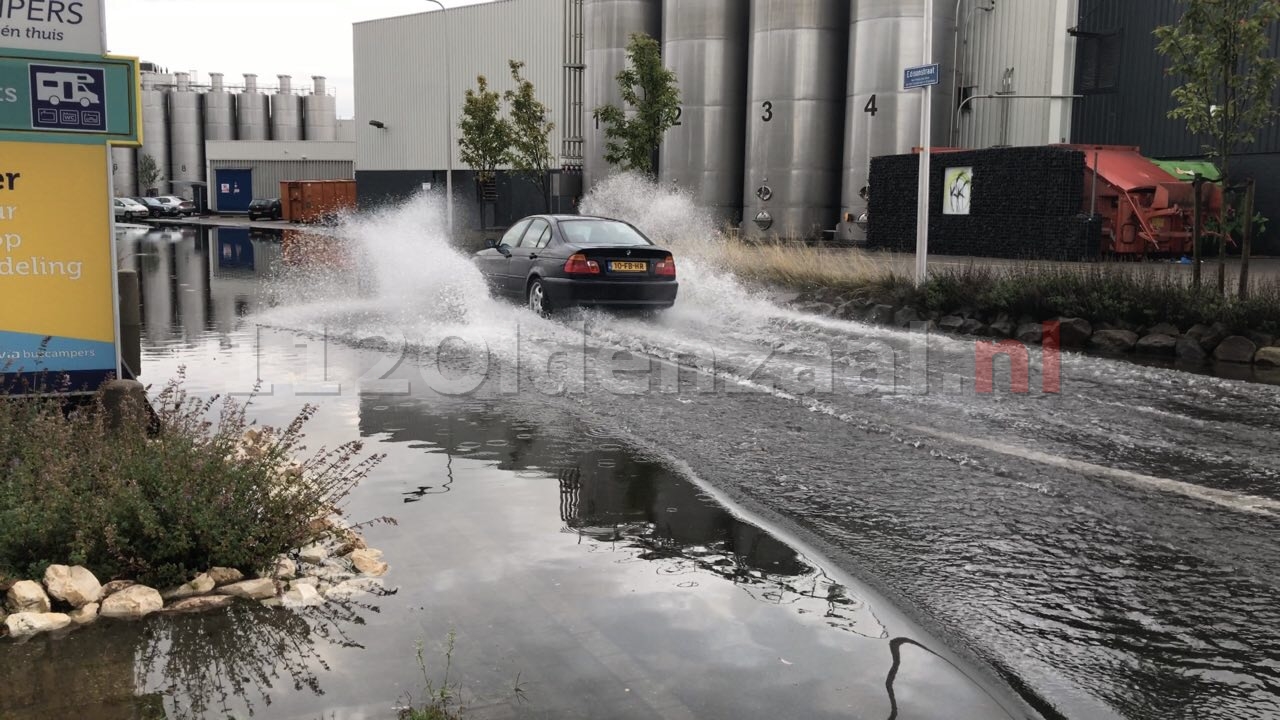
[448, 92]
[926, 141]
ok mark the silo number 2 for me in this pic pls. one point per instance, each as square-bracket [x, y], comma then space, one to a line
[871, 106]
[768, 111]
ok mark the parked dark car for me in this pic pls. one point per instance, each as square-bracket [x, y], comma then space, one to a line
[157, 208]
[556, 261]
[185, 207]
[268, 208]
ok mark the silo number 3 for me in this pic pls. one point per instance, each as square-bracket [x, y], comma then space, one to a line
[871, 106]
[768, 111]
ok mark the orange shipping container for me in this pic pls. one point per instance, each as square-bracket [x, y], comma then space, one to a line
[315, 201]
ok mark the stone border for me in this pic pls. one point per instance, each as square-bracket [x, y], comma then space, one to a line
[339, 567]
[1196, 344]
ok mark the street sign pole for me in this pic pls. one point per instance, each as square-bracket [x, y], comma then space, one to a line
[926, 136]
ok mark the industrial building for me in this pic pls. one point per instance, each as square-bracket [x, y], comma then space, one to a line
[784, 102]
[192, 131]
[240, 170]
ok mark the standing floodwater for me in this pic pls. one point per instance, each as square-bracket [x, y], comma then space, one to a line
[1106, 551]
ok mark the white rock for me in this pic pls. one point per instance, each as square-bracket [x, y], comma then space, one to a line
[26, 596]
[202, 584]
[368, 562]
[132, 603]
[258, 589]
[26, 624]
[199, 604]
[302, 596]
[115, 586]
[75, 586]
[285, 568]
[84, 615]
[310, 581]
[225, 576]
[348, 589]
[314, 554]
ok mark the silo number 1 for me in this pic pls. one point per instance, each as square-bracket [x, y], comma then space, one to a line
[871, 106]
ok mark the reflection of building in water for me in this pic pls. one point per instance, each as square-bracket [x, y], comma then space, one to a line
[153, 260]
[191, 275]
[243, 260]
[196, 280]
[617, 501]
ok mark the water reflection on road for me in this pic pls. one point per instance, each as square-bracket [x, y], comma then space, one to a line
[611, 583]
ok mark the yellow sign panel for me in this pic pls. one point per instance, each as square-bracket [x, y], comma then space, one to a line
[56, 266]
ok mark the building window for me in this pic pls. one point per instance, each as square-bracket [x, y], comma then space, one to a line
[1098, 62]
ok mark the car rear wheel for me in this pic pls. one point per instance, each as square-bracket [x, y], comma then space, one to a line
[537, 299]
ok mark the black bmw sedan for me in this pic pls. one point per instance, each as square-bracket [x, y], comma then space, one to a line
[557, 261]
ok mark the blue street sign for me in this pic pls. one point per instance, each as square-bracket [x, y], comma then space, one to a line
[921, 76]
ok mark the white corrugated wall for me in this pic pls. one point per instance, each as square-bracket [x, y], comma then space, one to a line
[1030, 38]
[399, 75]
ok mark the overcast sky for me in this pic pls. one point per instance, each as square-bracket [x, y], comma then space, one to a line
[268, 37]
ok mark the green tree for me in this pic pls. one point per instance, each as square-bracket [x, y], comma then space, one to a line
[653, 95]
[1220, 49]
[149, 174]
[530, 145]
[486, 135]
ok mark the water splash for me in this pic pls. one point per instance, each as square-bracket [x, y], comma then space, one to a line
[709, 293]
[391, 277]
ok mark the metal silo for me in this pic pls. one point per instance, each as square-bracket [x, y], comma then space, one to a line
[124, 178]
[608, 26]
[885, 38]
[795, 116]
[319, 113]
[155, 130]
[251, 111]
[186, 137]
[219, 111]
[705, 44]
[285, 124]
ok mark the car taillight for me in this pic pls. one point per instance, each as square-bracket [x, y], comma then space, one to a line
[666, 267]
[578, 264]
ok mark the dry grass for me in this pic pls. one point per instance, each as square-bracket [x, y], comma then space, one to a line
[801, 266]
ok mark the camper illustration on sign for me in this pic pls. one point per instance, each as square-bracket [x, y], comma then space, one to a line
[54, 88]
[68, 98]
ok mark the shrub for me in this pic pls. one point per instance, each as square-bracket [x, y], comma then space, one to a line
[161, 507]
[1098, 294]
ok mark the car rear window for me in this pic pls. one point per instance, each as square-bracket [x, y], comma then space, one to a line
[601, 232]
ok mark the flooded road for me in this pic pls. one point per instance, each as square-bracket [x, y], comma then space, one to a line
[600, 578]
[734, 510]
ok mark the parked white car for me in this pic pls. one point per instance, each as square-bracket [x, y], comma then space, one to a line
[130, 209]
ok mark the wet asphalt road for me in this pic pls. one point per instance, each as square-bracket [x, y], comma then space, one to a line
[1108, 550]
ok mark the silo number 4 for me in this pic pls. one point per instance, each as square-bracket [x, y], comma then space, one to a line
[871, 106]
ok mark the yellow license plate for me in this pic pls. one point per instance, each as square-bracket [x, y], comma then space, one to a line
[621, 266]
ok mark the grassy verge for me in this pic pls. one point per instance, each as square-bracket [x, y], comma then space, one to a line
[1121, 294]
[160, 508]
